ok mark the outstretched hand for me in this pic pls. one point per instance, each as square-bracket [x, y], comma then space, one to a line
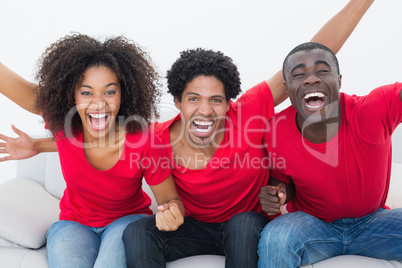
[169, 217]
[18, 148]
[272, 198]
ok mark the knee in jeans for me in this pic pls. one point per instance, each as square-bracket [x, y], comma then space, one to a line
[137, 230]
[249, 218]
[278, 237]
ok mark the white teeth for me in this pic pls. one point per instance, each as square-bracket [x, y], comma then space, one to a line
[203, 123]
[314, 107]
[98, 115]
[314, 94]
[202, 126]
[101, 126]
[203, 130]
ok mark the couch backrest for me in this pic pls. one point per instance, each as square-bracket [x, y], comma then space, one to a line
[32, 168]
[54, 181]
[394, 195]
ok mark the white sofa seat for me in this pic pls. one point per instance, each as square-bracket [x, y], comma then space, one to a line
[29, 205]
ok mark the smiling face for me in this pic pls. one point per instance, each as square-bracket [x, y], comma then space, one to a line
[97, 100]
[203, 107]
[313, 82]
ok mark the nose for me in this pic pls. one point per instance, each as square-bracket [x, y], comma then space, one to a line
[205, 108]
[98, 103]
[311, 79]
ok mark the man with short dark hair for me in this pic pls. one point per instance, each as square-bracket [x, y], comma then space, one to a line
[337, 152]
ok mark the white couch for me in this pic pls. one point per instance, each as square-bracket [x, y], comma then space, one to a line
[29, 205]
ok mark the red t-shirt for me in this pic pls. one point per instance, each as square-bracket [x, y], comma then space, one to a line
[96, 198]
[231, 181]
[348, 176]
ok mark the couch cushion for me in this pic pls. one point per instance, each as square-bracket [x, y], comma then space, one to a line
[4, 243]
[200, 261]
[33, 168]
[27, 210]
[23, 258]
[394, 199]
[352, 261]
[54, 181]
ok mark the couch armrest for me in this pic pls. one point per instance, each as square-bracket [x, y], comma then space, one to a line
[27, 211]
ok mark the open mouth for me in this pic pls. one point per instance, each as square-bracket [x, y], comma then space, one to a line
[98, 121]
[202, 126]
[314, 100]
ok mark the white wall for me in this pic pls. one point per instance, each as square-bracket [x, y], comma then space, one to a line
[257, 34]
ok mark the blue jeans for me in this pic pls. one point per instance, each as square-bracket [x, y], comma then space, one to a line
[297, 239]
[71, 244]
[237, 239]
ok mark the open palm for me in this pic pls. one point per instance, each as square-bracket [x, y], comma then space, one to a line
[18, 148]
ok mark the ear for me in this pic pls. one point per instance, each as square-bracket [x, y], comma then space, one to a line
[340, 81]
[177, 103]
[286, 87]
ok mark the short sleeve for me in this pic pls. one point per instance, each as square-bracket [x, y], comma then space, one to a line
[155, 163]
[381, 112]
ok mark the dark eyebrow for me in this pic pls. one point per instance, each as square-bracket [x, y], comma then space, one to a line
[192, 93]
[85, 86]
[217, 96]
[214, 96]
[110, 84]
[298, 66]
[322, 62]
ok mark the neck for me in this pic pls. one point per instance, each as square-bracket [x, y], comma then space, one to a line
[319, 132]
[112, 139]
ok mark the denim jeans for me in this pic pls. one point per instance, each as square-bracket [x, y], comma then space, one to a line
[71, 244]
[237, 239]
[297, 239]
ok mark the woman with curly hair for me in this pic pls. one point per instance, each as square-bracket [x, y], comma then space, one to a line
[97, 99]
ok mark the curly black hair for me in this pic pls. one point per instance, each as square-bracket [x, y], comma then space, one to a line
[61, 69]
[196, 62]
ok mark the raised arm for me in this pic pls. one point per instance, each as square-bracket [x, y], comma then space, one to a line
[17, 89]
[333, 35]
[24, 146]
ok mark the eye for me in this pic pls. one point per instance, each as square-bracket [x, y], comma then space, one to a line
[297, 75]
[192, 98]
[86, 93]
[110, 92]
[323, 71]
[217, 100]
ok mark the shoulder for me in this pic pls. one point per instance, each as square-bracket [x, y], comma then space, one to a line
[287, 115]
[261, 91]
[161, 128]
[380, 96]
